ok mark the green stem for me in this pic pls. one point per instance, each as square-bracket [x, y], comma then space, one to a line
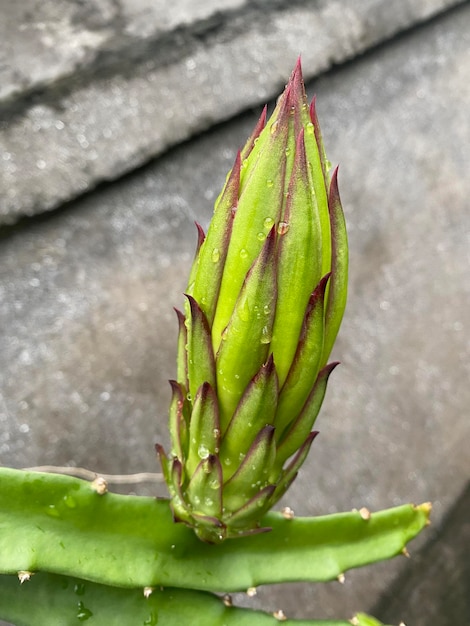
[52, 600]
[60, 524]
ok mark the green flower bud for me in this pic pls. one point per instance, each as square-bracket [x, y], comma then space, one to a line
[265, 299]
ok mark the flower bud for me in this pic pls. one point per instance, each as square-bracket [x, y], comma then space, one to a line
[265, 299]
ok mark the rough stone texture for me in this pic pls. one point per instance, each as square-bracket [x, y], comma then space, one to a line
[86, 295]
[118, 95]
[47, 41]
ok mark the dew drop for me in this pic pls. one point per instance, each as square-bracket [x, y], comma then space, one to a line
[268, 223]
[189, 397]
[52, 511]
[83, 613]
[79, 589]
[215, 256]
[227, 461]
[243, 253]
[70, 501]
[151, 620]
[282, 228]
[266, 309]
[241, 456]
[203, 451]
[265, 335]
[310, 128]
[216, 433]
[261, 236]
[256, 141]
[208, 501]
[269, 183]
[287, 151]
[223, 336]
[274, 127]
[214, 484]
[244, 311]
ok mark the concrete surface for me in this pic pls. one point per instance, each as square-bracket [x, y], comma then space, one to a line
[106, 86]
[86, 293]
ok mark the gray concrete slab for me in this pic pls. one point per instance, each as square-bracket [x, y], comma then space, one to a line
[118, 93]
[46, 42]
[87, 291]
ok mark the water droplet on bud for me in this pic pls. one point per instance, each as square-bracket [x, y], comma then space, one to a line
[274, 126]
[215, 256]
[203, 451]
[282, 228]
[287, 151]
[309, 127]
[243, 253]
[265, 335]
[261, 236]
[269, 183]
[268, 223]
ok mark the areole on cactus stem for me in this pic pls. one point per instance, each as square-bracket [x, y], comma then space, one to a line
[265, 299]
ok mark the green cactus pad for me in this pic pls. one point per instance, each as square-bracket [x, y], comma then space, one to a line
[62, 525]
[52, 600]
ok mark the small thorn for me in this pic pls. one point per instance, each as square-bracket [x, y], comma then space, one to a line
[406, 553]
[227, 600]
[341, 578]
[251, 592]
[148, 592]
[354, 621]
[24, 575]
[365, 513]
[280, 615]
[402, 624]
[288, 513]
[100, 485]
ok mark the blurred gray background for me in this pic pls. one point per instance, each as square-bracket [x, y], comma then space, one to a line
[118, 122]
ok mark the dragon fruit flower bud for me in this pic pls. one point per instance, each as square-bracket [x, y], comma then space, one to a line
[265, 299]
